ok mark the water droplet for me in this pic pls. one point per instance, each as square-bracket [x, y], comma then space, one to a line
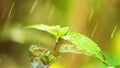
[11, 8]
[3, 14]
[94, 30]
[33, 6]
[113, 32]
[91, 14]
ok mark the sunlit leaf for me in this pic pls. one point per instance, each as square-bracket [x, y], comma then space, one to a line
[84, 45]
[70, 48]
[57, 31]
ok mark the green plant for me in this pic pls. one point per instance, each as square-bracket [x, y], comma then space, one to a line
[80, 44]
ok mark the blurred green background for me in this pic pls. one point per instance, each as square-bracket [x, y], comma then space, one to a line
[97, 19]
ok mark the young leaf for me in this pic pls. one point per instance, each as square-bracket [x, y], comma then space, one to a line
[84, 45]
[69, 48]
[57, 31]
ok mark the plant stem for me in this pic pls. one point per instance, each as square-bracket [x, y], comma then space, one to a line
[56, 46]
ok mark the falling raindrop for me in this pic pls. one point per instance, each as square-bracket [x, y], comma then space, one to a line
[113, 32]
[33, 6]
[91, 14]
[11, 8]
[51, 13]
[3, 14]
[94, 30]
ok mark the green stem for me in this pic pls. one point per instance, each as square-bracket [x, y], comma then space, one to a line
[56, 46]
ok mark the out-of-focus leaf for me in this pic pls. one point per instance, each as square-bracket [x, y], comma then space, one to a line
[57, 31]
[84, 45]
[39, 53]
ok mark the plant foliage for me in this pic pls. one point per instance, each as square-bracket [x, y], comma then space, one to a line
[80, 43]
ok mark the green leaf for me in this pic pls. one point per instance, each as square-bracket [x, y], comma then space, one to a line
[69, 48]
[84, 45]
[57, 31]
